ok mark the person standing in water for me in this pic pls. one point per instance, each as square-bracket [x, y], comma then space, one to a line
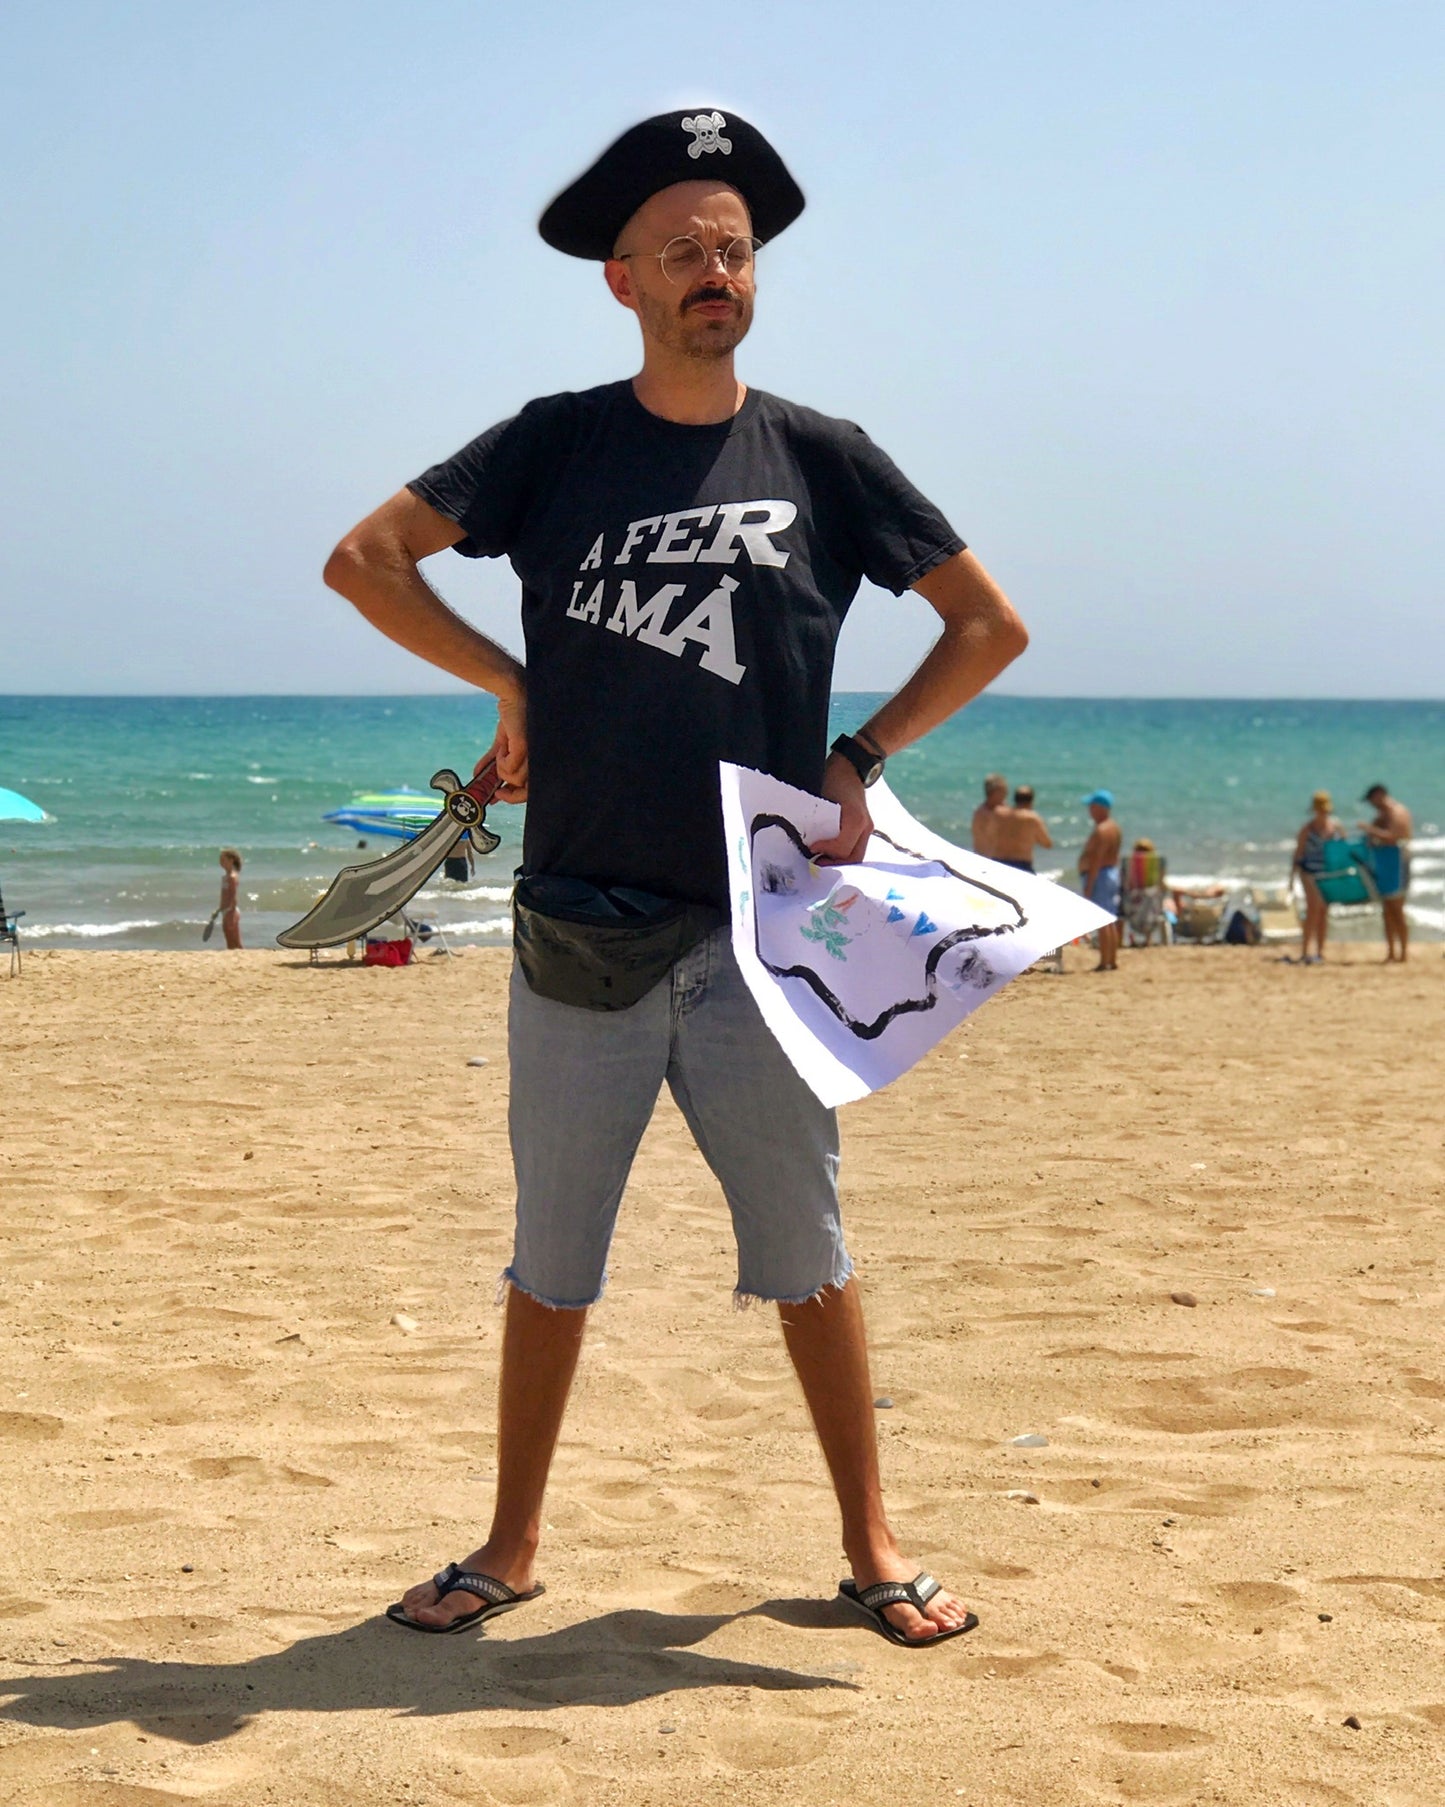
[1018, 831]
[990, 814]
[230, 904]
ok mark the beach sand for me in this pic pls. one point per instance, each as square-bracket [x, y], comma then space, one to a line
[225, 1175]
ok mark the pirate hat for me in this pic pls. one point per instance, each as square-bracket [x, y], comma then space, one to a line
[587, 216]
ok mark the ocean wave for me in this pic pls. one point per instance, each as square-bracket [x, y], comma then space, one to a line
[495, 925]
[1426, 918]
[251, 778]
[477, 894]
[94, 931]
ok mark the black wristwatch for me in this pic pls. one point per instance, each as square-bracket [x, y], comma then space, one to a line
[864, 761]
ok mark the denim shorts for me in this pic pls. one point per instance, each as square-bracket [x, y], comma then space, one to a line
[583, 1087]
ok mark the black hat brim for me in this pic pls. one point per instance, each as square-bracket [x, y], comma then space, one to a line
[693, 145]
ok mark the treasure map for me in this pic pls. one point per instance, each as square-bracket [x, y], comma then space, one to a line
[859, 970]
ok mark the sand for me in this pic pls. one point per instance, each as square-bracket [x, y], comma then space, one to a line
[220, 1458]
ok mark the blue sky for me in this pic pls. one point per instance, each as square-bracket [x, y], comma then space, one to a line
[1147, 297]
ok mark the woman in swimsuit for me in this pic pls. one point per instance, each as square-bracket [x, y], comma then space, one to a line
[1309, 862]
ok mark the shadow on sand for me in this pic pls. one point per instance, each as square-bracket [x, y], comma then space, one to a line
[614, 1660]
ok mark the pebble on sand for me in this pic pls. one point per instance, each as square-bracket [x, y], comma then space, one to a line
[477, 1060]
[1184, 1298]
[1352, 1721]
[885, 1404]
[1024, 1499]
[404, 1323]
[1029, 1440]
[1325, 1618]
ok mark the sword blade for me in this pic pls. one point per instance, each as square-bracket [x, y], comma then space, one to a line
[360, 897]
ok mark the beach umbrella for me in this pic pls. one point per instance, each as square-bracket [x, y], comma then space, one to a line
[15, 808]
[397, 814]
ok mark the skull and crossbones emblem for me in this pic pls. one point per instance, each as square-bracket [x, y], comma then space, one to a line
[707, 130]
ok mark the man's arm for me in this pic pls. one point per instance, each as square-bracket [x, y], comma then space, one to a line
[981, 635]
[1042, 837]
[375, 569]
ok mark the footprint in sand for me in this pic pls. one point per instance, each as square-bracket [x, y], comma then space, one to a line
[111, 1794]
[770, 1743]
[253, 1471]
[1150, 1737]
[1001, 1667]
[30, 1427]
[1250, 1597]
[513, 1764]
[1152, 1760]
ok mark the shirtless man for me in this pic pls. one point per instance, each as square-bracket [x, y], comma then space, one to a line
[1389, 834]
[1099, 870]
[1018, 831]
[230, 905]
[989, 815]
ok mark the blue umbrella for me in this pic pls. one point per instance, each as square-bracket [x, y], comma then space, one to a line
[399, 814]
[15, 808]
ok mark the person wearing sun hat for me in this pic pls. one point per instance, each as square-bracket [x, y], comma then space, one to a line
[1099, 872]
[688, 548]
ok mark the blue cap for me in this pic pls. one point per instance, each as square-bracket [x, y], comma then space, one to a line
[1104, 797]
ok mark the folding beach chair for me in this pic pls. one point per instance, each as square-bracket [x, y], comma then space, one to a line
[10, 932]
[1142, 915]
[1349, 874]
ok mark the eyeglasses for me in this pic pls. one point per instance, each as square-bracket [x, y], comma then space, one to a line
[685, 259]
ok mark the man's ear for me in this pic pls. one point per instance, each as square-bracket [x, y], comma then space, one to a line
[619, 279]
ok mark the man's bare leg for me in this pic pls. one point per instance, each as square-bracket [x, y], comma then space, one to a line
[1397, 928]
[826, 1341]
[540, 1346]
[1108, 948]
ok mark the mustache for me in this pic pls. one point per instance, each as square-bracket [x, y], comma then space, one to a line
[709, 293]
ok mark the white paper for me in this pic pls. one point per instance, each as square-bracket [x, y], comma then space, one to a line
[859, 970]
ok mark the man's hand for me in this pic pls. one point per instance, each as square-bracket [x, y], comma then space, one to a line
[509, 748]
[843, 786]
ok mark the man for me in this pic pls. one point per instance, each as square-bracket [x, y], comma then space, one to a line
[990, 814]
[1390, 835]
[1018, 831]
[672, 618]
[1099, 871]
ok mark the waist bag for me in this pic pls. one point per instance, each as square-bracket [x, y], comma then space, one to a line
[600, 950]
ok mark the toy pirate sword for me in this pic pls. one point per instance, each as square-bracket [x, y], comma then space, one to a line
[360, 897]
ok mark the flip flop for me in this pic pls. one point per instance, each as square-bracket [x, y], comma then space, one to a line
[915, 1593]
[496, 1597]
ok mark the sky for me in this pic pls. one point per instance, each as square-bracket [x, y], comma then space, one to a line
[1146, 297]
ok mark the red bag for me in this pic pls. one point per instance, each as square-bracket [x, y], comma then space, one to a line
[387, 953]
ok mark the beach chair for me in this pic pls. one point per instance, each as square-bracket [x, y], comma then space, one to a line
[1349, 874]
[1142, 914]
[10, 934]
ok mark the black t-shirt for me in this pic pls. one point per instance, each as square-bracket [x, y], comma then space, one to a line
[682, 592]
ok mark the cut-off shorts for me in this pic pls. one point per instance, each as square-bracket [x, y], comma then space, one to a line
[583, 1087]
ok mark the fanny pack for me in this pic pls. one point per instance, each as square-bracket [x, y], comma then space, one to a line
[600, 949]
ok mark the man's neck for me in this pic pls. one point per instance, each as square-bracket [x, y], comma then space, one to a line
[694, 392]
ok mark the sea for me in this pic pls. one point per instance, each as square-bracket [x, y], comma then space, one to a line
[145, 791]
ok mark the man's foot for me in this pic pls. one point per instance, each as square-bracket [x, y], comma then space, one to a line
[511, 1566]
[944, 1612]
